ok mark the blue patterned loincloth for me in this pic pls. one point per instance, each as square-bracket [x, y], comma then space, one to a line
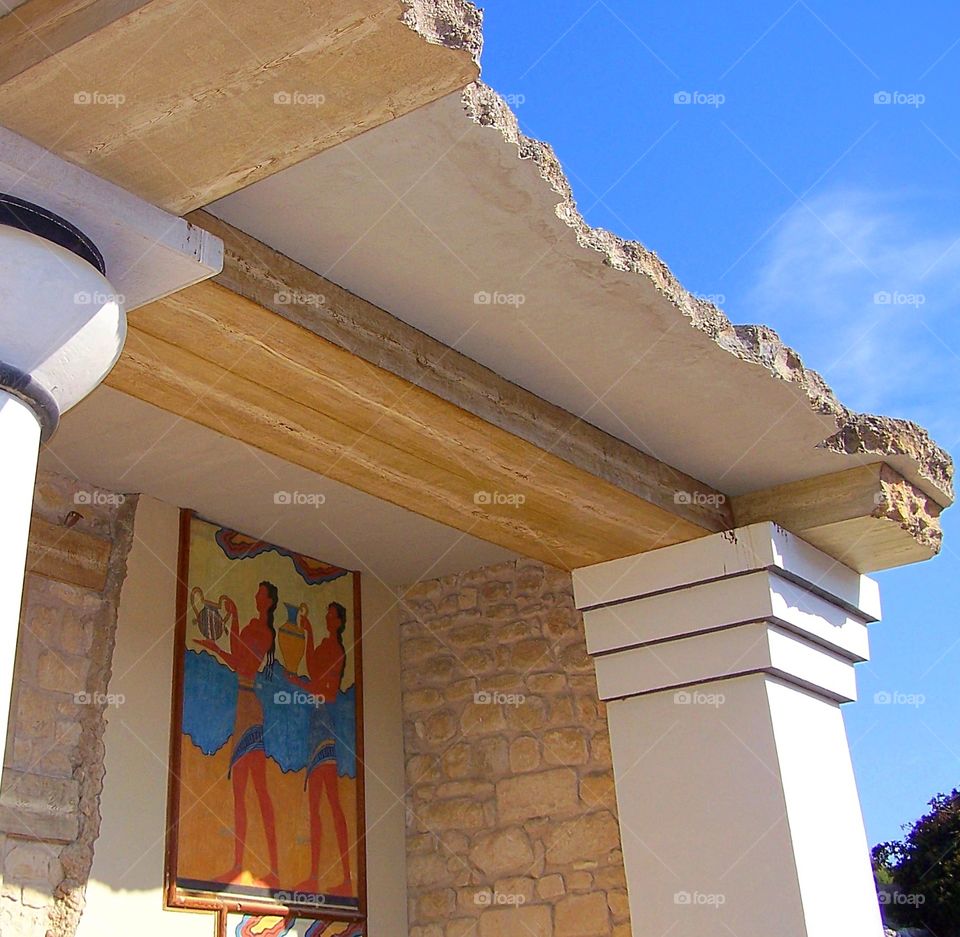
[250, 741]
[323, 738]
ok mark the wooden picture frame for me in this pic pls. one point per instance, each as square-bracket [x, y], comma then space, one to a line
[218, 668]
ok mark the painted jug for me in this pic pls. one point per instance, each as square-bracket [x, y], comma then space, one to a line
[291, 637]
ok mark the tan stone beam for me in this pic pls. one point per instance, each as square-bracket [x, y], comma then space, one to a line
[225, 362]
[275, 282]
[868, 517]
[67, 555]
[182, 102]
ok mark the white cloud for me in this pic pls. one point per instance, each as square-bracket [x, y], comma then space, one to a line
[870, 300]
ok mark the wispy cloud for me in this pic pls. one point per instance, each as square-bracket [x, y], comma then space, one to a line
[872, 301]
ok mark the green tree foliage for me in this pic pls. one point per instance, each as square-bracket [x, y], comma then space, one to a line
[920, 875]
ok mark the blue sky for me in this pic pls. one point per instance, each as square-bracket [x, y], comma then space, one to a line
[812, 184]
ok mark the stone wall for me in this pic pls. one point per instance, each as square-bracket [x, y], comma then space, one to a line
[53, 770]
[511, 812]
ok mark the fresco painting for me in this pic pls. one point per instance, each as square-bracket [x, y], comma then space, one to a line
[250, 926]
[266, 792]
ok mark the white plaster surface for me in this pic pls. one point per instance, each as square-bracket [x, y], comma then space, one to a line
[759, 546]
[747, 648]
[125, 889]
[738, 806]
[721, 603]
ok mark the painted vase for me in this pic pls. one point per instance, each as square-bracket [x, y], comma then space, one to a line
[209, 616]
[291, 637]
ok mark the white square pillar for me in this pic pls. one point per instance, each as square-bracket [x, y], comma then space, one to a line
[723, 662]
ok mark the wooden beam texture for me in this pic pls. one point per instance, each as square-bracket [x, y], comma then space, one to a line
[182, 103]
[390, 410]
[227, 363]
[275, 282]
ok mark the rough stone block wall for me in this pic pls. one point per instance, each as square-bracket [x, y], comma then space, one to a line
[511, 813]
[53, 769]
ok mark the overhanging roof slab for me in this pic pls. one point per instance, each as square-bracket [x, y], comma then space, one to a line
[453, 221]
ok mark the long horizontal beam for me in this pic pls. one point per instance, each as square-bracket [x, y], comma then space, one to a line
[275, 282]
[182, 103]
[227, 363]
[864, 520]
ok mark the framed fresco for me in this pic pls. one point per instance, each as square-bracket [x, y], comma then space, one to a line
[245, 925]
[265, 796]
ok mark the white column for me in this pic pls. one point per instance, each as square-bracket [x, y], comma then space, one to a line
[724, 662]
[61, 330]
[20, 437]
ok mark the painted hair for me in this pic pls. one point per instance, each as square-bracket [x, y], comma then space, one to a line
[342, 615]
[274, 595]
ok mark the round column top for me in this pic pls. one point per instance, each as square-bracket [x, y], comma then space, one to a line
[18, 213]
[62, 324]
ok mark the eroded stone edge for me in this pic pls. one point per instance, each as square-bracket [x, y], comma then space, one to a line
[910, 508]
[857, 433]
[455, 24]
[77, 857]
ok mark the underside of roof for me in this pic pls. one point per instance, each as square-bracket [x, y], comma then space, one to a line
[432, 213]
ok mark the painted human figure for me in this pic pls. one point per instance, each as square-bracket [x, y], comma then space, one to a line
[325, 662]
[250, 647]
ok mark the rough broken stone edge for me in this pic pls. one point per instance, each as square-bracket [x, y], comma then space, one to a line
[910, 509]
[857, 433]
[77, 857]
[455, 24]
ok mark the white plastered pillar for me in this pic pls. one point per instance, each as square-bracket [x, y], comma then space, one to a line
[724, 662]
[61, 330]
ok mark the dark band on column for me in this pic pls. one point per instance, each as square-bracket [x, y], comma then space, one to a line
[34, 395]
[17, 213]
